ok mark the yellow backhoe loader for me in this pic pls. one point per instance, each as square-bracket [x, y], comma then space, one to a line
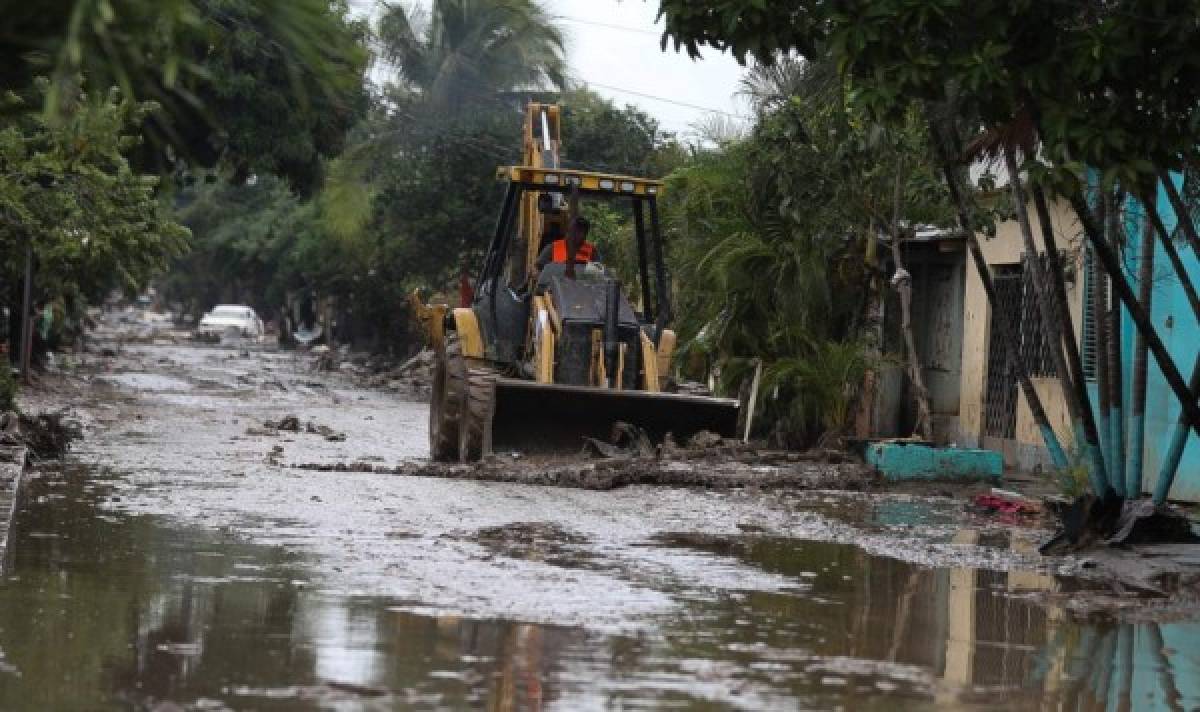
[544, 357]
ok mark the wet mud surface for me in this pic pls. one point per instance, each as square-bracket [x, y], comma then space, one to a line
[177, 559]
[714, 471]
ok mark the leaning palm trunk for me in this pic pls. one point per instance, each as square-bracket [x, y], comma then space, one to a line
[1108, 258]
[1050, 312]
[1058, 280]
[1116, 372]
[1137, 414]
[1141, 318]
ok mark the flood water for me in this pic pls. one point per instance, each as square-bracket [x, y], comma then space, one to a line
[177, 560]
[105, 610]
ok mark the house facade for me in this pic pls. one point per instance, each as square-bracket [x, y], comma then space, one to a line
[994, 414]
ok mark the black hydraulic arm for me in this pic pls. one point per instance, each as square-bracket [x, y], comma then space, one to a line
[494, 261]
[639, 226]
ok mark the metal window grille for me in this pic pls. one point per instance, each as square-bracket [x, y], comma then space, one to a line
[1000, 397]
[1035, 346]
[1016, 298]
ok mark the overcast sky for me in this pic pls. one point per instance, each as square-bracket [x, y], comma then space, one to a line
[613, 47]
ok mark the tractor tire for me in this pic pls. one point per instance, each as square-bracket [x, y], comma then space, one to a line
[475, 425]
[446, 402]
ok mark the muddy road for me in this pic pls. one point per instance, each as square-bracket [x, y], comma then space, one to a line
[179, 560]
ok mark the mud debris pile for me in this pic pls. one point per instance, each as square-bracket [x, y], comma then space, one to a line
[724, 467]
[47, 435]
[539, 541]
[413, 377]
[292, 424]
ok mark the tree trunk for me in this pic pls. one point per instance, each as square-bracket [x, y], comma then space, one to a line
[1116, 373]
[873, 332]
[1058, 279]
[1141, 319]
[1046, 298]
[1170, 464]
[1179, 438]
[1137, 406]
[902, 283]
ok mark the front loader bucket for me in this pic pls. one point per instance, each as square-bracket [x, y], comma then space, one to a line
[540, 418]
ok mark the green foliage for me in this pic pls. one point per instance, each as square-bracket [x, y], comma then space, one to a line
[415, 186]
[815, 391]
[67, 187]
[773, 240]
[600, 136]
[1112, 85]
[435, 209]
[411, 196]
[1073, 481]
[242, 240]
[277, 85]
[749, 287]
[254, 85]
[259, 243]
[419, 184]
[411, 200]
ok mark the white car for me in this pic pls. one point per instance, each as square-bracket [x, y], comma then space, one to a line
[233, 319]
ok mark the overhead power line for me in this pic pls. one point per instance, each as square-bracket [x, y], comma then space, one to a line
[664, 99]
[608, 25]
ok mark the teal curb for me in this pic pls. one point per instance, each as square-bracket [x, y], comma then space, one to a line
[902, 461]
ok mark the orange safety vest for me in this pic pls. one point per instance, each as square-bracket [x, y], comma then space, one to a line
[583, 254]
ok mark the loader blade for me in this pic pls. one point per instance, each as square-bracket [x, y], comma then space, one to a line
[542, 418]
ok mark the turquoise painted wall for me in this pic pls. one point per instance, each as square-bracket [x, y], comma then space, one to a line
[1176, 323]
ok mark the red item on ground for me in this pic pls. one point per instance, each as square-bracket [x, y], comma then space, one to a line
[1004, 505]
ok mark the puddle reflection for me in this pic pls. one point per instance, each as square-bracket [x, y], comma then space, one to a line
[100, 611]
[941, 637]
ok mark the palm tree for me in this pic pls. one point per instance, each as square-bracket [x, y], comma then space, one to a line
[768, 86]
[467, 50]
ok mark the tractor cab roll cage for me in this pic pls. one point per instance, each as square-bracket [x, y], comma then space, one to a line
[641, 193]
